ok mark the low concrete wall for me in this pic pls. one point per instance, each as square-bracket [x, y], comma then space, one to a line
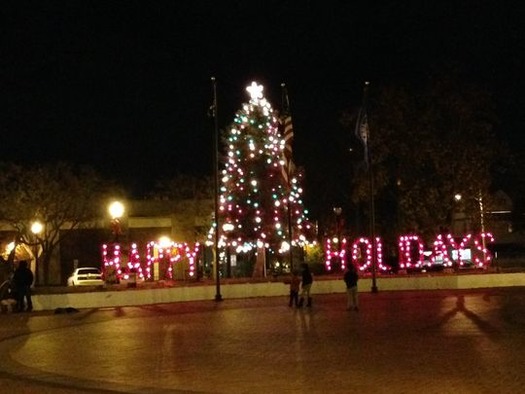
[109, 298]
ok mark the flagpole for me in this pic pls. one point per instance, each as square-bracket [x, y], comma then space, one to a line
[368, 159]
[285, 108]
[218, 296]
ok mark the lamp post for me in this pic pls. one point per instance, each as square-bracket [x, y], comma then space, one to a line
[36, 229]
[116, 211]
[479, 200]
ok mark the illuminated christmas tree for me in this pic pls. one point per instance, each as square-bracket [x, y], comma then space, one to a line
[259, 198]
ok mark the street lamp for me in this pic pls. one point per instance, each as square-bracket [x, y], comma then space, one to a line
[116, 211]
[113, 269]
[36, 229]
[479, 200]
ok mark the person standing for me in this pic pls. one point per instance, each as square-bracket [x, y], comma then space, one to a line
[351, 277]
[295, 284]
[306, 285]
[22, 280]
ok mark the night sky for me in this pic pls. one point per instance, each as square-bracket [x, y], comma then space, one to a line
[124, 86]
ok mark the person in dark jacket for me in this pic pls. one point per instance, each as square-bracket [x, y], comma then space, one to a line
[22, 280]
[306, 285]
[351, 277]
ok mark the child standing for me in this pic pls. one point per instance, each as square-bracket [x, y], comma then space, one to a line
[351, 277]
[306, 284]
[295, 283]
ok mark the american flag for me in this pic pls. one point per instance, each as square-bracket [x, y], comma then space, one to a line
[288, 167]
[363, 133]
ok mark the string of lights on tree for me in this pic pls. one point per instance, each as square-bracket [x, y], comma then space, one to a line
[254, 198]
[259, 202]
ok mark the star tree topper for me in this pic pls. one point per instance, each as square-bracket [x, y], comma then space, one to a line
[255, 91]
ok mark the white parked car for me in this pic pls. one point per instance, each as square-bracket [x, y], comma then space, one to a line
[86, 276]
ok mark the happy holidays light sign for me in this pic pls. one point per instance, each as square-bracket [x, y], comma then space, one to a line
[445, 250]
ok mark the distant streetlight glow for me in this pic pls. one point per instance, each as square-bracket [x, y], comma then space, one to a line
[164, 242]
[37, 227]
[116, 209]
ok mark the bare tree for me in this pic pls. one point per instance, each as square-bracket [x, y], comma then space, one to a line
[428, 143]
[193, 198]
[57, 195]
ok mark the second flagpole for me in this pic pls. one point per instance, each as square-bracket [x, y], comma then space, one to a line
[218, 296]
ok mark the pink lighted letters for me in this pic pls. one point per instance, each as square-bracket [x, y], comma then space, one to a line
[445, 250]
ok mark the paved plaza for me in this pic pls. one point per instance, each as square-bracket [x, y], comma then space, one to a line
[447, 341]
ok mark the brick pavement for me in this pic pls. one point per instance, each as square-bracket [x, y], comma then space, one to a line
[464, 341]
